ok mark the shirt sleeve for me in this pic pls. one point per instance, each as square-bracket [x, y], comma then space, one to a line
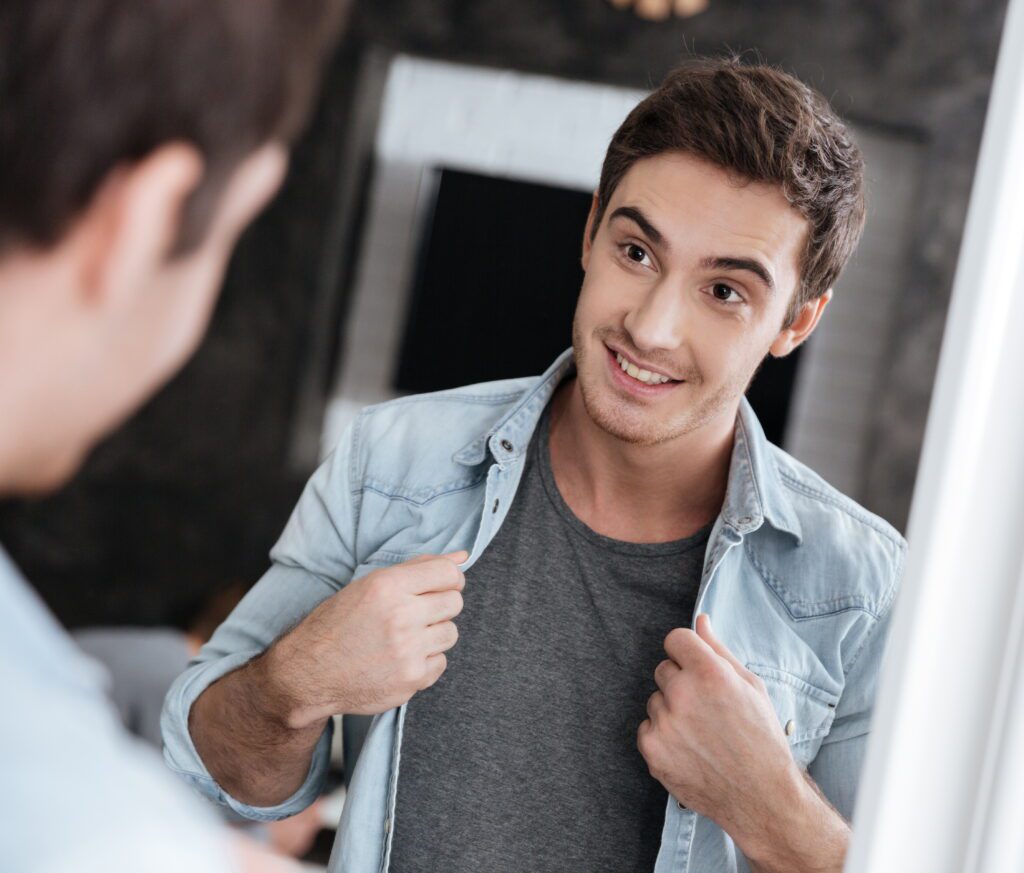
[80, 794]
[312, 560]
[837, 767]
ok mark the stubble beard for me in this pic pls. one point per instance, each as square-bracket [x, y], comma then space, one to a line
[631, 423]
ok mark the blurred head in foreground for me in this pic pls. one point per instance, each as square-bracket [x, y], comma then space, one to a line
[138, 139]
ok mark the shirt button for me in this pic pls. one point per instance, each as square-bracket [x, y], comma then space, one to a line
[680, 804]
[506, 445]
[790, 727]
[387, 825]
[746, 519]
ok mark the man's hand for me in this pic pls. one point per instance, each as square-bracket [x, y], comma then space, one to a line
[372, 645]
[712, 738]
[366, 649]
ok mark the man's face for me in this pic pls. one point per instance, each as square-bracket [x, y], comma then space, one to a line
[689, 276]
[130, 315]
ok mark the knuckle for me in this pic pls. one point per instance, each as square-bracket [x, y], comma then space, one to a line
[410, 673]
[456, 602]
[646, 741]
[379, 584]
[711, 672]
[432, 675]
[677, 637]
[395, 631]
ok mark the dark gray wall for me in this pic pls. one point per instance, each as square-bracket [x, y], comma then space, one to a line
[194, 491]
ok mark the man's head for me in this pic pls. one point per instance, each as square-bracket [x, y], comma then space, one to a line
[138, 139]
[730, 200]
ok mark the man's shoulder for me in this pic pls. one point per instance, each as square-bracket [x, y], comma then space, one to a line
[811, 495]
[420, 441]
[848, 558]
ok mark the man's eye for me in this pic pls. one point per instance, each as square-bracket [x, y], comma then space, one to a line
[636, 254]
[725, 293]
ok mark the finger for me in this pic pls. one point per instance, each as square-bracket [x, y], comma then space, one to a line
[435, 606]
[433, 573]
[717, 646]
[436, 665]
[440, 637]
[665, 672]
[686, 648]
[459, 557]
[655, 705]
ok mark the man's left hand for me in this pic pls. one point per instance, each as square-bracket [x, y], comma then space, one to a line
[712, 738]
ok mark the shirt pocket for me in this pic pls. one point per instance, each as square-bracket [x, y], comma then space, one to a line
[805, 710]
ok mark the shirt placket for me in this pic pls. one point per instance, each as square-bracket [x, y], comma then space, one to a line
[501, 484]
[680, 822]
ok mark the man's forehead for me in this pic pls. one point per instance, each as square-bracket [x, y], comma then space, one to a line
[682, 196]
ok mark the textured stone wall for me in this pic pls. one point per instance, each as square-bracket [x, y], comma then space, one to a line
[194, 491]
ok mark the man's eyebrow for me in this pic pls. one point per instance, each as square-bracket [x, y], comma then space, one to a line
[748, 264]
[642, 221]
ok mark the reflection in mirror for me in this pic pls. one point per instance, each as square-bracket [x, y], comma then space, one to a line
[431, 236]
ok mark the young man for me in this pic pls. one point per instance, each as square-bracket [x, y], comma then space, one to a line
[589, 718]
[138, 140]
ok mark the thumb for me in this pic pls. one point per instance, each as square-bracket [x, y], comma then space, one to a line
[703, 627]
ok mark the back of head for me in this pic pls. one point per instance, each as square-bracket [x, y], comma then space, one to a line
[88, 85]
[762, 125]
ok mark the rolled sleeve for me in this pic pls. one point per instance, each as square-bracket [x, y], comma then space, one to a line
[183, 759]
[312, 560]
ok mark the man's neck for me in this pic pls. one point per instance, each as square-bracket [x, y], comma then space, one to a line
[34, 345]
[637, 493]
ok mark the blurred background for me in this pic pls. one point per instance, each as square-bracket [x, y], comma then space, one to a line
[428, 235]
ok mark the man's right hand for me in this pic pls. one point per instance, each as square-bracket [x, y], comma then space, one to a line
[366, 649]
[371, 646]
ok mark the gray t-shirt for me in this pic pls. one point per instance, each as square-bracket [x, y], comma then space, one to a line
[523, 757]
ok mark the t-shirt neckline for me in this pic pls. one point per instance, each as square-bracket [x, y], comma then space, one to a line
[541, 447]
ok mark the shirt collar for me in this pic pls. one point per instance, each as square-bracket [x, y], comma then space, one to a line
[510, 437]
[754, 494]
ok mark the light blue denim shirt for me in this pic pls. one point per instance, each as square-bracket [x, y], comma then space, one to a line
[79, 793]
[798, 579]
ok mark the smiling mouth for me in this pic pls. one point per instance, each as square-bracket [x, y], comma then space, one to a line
[641, 375]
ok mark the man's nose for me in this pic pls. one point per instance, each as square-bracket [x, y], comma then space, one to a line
[658, 320]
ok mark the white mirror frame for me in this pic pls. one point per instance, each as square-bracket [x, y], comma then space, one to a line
[943, 786]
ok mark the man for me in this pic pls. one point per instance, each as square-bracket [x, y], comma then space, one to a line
[587, 720]
[138, 140]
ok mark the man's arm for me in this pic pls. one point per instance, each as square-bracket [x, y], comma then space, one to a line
[259, 722]
[364, 650]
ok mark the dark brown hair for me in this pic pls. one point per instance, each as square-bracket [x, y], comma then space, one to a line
[87, 85]
[762, 125]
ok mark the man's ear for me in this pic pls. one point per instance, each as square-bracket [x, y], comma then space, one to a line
[588, 240]
[802, 327]
[130, 226]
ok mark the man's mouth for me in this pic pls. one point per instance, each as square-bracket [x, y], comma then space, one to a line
[640, 374]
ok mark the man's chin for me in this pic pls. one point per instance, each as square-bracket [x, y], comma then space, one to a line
[631, 426]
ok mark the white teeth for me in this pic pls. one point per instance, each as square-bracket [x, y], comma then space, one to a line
[645, 376]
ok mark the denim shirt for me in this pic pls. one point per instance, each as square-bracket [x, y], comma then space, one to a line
[79, 793]
[798, 579]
